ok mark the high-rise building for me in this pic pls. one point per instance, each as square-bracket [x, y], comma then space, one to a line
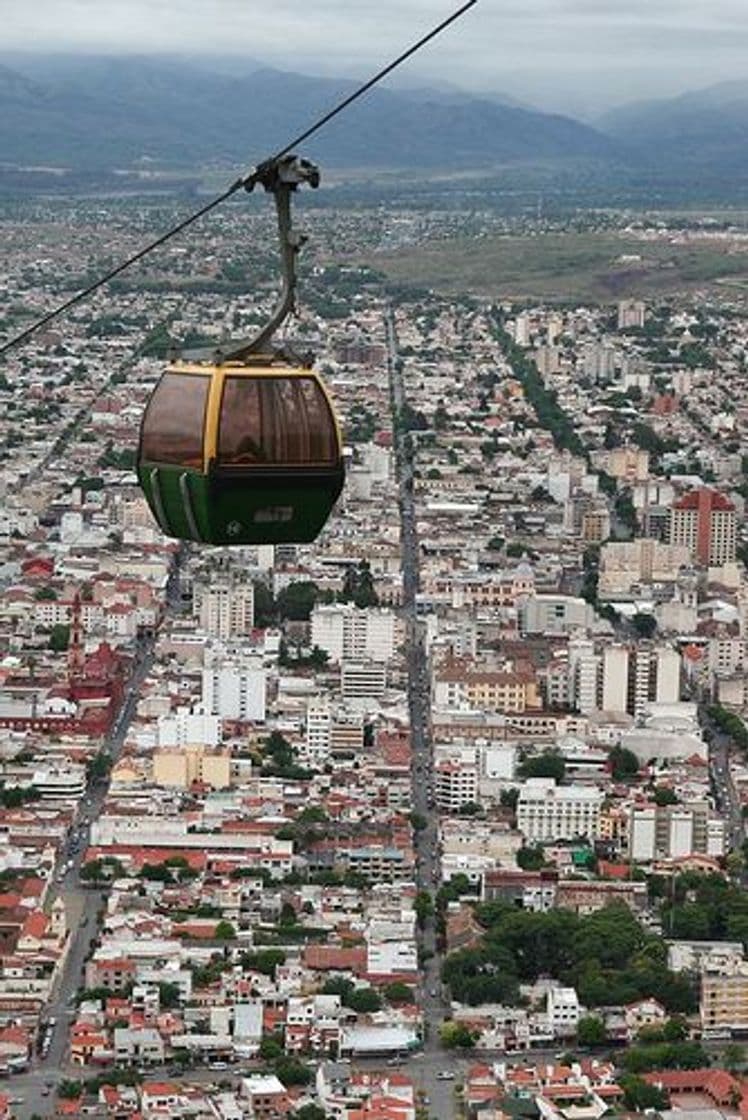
[630, 314]
[637, 675]
[234, 686]
[225, 607]
[347, 633]
[674, 831]
[705, 522]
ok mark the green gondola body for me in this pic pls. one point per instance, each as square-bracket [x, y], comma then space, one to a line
[238, 510]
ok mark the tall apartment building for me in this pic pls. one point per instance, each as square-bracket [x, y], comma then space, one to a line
[330, 731]
[705, 522]
[630, 314]
[547, 812]
[347, 633]
[637, 675]
[584, 674]
[599, 362]
[674, 831]
[225, 607]
[724, 999]
[234, 687]
[455, 784]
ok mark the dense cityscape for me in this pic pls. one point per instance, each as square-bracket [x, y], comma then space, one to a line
[441, 815]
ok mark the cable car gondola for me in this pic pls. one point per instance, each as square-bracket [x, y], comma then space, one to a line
[242, 445]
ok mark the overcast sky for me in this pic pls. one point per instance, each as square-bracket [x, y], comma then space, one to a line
[579, 52]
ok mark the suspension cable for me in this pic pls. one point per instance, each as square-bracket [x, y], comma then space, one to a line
[242, 181]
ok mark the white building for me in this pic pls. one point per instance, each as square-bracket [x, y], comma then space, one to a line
[554, 614]
[186, 728]
[347, 633]
[363, 681]
[235, 689]
[547, 812]
[562, 1009]
[634, 676]
[455, 784]
[318, 731]
[674, 831]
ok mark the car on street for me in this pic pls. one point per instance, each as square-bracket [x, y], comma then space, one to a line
[445, 1075]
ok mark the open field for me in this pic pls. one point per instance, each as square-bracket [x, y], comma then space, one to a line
[566, 266]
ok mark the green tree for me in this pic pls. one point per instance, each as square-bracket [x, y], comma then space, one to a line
[624, 763]
[271, 1048]
[456, 1036]
[169, 995]
[46, 593]
[733, 1057]
[531, 859]
[663, 795]
[291, 1071]
[549, 764]
[69, 1090]
[639, 1095]
[297, 601]
[644, 624]
[309, 1112]
[398, 992]
[591, 1031]
[363, 1001]
[224, 931]
[424, 907]
[59, 637]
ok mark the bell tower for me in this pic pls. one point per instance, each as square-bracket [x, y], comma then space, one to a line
[75, 645]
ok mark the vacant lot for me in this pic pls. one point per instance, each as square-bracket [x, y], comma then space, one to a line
[572, 266]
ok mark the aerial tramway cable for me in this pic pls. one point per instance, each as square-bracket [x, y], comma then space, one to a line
[244, 181]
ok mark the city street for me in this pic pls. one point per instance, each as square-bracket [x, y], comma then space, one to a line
[425, 1070]
[82, 904]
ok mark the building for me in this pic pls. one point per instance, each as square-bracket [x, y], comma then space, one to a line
[634, 676]
[467, 684]
[724, 999]
[705, 522]
[563, 1011]
[363, 681]
[674, 831]
[234, 688]
[455, 784]
[630, 314]
[225, 607]
[184, 766]
[628, 464]
[547, 811]
[554, 614]
[625, 565]
[348, 633]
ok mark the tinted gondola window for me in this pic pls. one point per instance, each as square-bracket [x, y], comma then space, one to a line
[173, 423]
[240, 435]
[275, 420]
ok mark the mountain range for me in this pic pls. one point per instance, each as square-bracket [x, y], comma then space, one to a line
[99, 112]
[102, 112]
[702, 130]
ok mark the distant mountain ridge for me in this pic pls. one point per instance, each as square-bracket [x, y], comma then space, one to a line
[102, 112]
[703, 130]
